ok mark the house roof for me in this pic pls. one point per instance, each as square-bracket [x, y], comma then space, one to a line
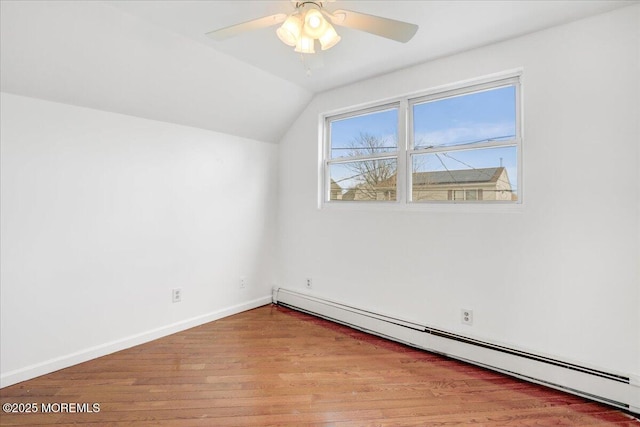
[458, 176]
[349, 194]
[461, 176]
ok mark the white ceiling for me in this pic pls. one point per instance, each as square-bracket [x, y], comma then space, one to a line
[446, 27]
[89, 54]
[151, 59]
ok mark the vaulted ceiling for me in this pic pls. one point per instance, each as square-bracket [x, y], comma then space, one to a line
[151, 59]
[446, 27]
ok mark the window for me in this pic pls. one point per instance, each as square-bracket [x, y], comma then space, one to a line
[363, 155]
[456, 146]
[464, 194]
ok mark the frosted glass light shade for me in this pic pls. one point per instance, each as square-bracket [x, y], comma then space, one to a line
[305, 45]
[302, 30]
[330, 38]
[290, 30]
[314, 23]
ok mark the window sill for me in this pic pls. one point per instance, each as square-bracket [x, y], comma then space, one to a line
[445, 207]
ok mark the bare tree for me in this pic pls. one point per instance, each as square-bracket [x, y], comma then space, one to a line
[372, 175]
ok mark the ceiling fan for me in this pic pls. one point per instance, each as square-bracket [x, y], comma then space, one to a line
[311, 22]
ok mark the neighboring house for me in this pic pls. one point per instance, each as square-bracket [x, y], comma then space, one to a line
[336, 191]
[465, 184]
[462, 185]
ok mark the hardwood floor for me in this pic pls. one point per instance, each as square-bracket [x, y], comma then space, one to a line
[273, 366]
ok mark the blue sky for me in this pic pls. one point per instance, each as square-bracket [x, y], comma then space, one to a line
[465, 119]
[383, 124]
[451, 121]
[444, 122]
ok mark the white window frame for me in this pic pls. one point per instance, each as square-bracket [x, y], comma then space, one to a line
[399, 154]
[406, 149]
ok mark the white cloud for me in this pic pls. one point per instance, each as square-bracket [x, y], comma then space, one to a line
[469, 132]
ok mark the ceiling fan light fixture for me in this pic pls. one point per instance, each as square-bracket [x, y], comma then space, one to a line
[329, 39]
[305, 45]
[304, 27]
[290, 31]
[311, 22]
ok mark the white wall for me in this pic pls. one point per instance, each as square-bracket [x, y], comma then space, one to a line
[560, 275]
[103, 214]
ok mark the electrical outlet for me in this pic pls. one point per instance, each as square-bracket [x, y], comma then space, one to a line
[243, 282]
[309, 283]
[176, 294]
[466, 317]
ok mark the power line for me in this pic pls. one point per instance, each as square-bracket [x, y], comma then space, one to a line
[469, 142]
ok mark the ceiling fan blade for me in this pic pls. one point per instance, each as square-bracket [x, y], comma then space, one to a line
[383, 27]
[256, 24]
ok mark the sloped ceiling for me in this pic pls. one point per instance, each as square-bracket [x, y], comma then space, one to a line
[89, 54]
[151, 59]
[446, 27]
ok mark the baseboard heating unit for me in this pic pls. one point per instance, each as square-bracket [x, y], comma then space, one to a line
[622, 391]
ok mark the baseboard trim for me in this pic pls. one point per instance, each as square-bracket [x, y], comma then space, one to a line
[52, 365]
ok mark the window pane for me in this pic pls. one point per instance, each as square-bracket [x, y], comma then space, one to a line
[471, 194]
[364, 180]
[367, 134]
[488, 174]
[465, 119]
